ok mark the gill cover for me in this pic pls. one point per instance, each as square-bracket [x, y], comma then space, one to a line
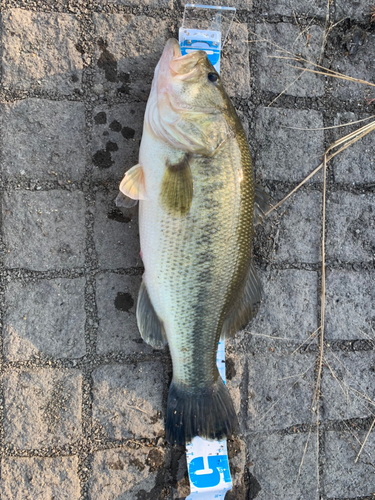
[185, 109]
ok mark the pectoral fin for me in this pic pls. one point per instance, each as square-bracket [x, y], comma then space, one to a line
[133, 184]
[125, 201]
[149, 324]
[176, 193]
[246, 306]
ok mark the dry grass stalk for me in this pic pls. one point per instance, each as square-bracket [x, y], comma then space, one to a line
[285, 90]
[342, 144]
[136, 408]
[333, 126]
[363, 394]
[293, 57]
[325, 32]
[322, 298]
[347, 141]
[285, 393]
[364, 442]
[304, 453]
[312, 337]
[326, 72]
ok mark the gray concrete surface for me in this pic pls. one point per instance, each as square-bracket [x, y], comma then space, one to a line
[83, 399]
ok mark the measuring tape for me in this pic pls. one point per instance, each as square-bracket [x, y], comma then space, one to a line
[207, 460]
[205, 28]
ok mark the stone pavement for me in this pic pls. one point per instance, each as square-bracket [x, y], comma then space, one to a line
[83, 398]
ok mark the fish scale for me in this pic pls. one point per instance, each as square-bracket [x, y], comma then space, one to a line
[206, 245]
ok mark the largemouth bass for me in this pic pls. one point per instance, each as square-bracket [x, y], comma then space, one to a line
[196, 189]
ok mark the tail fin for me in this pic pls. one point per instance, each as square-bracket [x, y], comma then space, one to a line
[207, 413]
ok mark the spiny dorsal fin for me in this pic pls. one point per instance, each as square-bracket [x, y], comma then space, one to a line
[149, 324]
[246, 307]
[133, 184]
[177, 187]
[262, 204]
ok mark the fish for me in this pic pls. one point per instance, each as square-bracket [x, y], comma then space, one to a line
[197, 205]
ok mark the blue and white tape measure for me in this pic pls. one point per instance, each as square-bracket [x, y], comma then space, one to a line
[207, 460]
[209, 41]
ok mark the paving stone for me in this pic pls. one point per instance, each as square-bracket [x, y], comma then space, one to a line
[42, 407]
[40, 478]
[39, 51]
[280, 390]
[297, 237]
[289, 305]
[128, 400]
[359, 64]
[45, 317]
[116, 233]
[117, 132]
[348, 385]
[50, 139]
[180, 480]
[274, 467]
[237, 464]
[357, 163]
[125, 473]
[44, 230]
[234, 364]
[342, 477]
[127, 50]
[300, 9]
[273, 74]
[116, 297]
[350, 227]
[284, 153]
[239, 4]
[358, 10]
[235, 69]
[136, 3]
[349, 310]
[244, 122]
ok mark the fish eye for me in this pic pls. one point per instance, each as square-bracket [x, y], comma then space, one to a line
[213, 77]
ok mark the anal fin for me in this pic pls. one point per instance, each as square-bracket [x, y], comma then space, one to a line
[246, 306]
[149, 324]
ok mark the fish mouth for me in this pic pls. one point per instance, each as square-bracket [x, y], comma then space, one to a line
[173, 65]
[171, 50]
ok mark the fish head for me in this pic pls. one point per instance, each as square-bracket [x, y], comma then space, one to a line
[190, 81]
[190, 101]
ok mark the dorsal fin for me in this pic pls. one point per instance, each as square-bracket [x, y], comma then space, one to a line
[245, 307]
[262, 204]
